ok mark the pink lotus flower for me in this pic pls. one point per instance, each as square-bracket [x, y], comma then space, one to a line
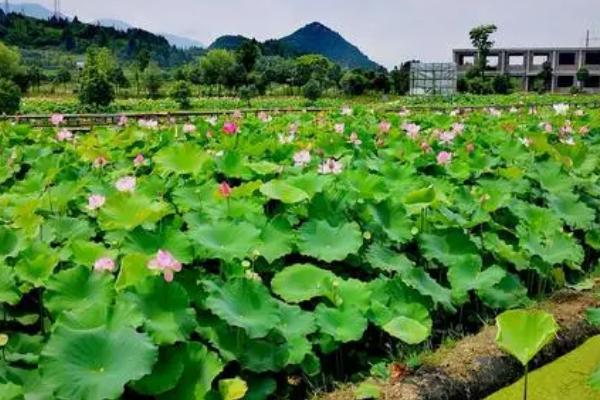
[286, 139]
[584, 130]
[148, 124]
[346, 110]
[64, 135]
[294, 128]
[458, 128]
[104, 264]
[331, 166]
[225, 189]
[100, 162]
[123, 120]
[454, 113]
[139, 160]
[57, 119]
[444, 158]
[237, 115]
[230, 128]
[126, 184]
[547, 127]
[404, 112]
[425, 147]
[96, 201]
[212, 121]
[569, 141]
[561, 109]
[165, 263]
[412, 130]
[209, 134]
[494, 112]
[514, 110]
[579, 113]
[264, 117]
[470, 147]
[447, 137]
[189, 128]
[525, 141]
[385, 127]
[354, 139]
[339, 128]
[302, 158]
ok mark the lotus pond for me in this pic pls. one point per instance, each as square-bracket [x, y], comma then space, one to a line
[267, 256]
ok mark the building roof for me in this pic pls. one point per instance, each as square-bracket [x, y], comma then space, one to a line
[523, 49]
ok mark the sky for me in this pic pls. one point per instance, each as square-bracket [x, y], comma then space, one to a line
[388, 31]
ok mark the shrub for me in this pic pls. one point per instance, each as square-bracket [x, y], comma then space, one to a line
[480, 85]
[502, 84]
[181, 93]
[96, 91]
[247, 93]
[312, 90]
[10, 97]
[353, 83]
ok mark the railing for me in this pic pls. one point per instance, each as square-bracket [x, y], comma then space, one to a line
[92, 120]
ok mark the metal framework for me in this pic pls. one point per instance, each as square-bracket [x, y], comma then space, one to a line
[433, 78]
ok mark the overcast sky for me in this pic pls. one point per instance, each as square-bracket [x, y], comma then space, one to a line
[389, 31]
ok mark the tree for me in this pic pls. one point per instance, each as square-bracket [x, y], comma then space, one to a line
[381, 81]
[153, 80]
[480, 38]
[400, 78]
[10, 97]
[353, 83]
[247, 93]
[247, 54]
[583, 75]
[10, 61]
[218, 67]
[311, 66]
[95, 88]
[502, 84]
[312, 90]
[181, 93]
[545, 77]
[63, 76]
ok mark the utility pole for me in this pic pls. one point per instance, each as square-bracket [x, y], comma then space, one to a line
[6, 7]
[587, 39]
[57, 9]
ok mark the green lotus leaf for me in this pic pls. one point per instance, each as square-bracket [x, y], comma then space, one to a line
[261, 388]
[418, 200]
[226, 240]
[95, 364]
[276, 240]
[320, 240]
[551, 177]
[385, 259]
[283, 191]
[244, 303]
[393, 220]
[593, 316]
[181, 158]
[264, 167]
[10, 391]
[77, 288]
[344, 325]
[128, 211]
[508, 293]
[408, 330]
[422, 282]
[8, 286]
[448, 247]
[168, 318]
[166, 373]
[505, 251]
[9, 242]
[164, 238]
[592, 238]
[22, 348]
[310, 183]
[575, 213]
[302, 282]
[556, 248]
[232, 389]
[36, 264]
[84, 252]
[467, 275]
[134, 270]
[201, 367]
[523, 333]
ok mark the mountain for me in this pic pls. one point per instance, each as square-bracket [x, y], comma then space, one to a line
[113, 23]
[30, 9]
[228, 42]
[314, 38]
[182, 42]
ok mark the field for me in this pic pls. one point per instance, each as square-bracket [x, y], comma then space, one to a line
[250, 256]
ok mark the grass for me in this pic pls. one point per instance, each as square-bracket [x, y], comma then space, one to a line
[565, 378]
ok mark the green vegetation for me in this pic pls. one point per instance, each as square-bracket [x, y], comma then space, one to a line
[565, 378]
[279, 253]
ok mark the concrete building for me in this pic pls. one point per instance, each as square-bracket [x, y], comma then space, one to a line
[523, 64]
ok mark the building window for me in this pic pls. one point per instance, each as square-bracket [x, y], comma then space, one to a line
[565, 81]
[593, 82]
[492, 62]
[516, 60]
[539, 59]
[467, 60]
[566, 59]
[592, 58]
